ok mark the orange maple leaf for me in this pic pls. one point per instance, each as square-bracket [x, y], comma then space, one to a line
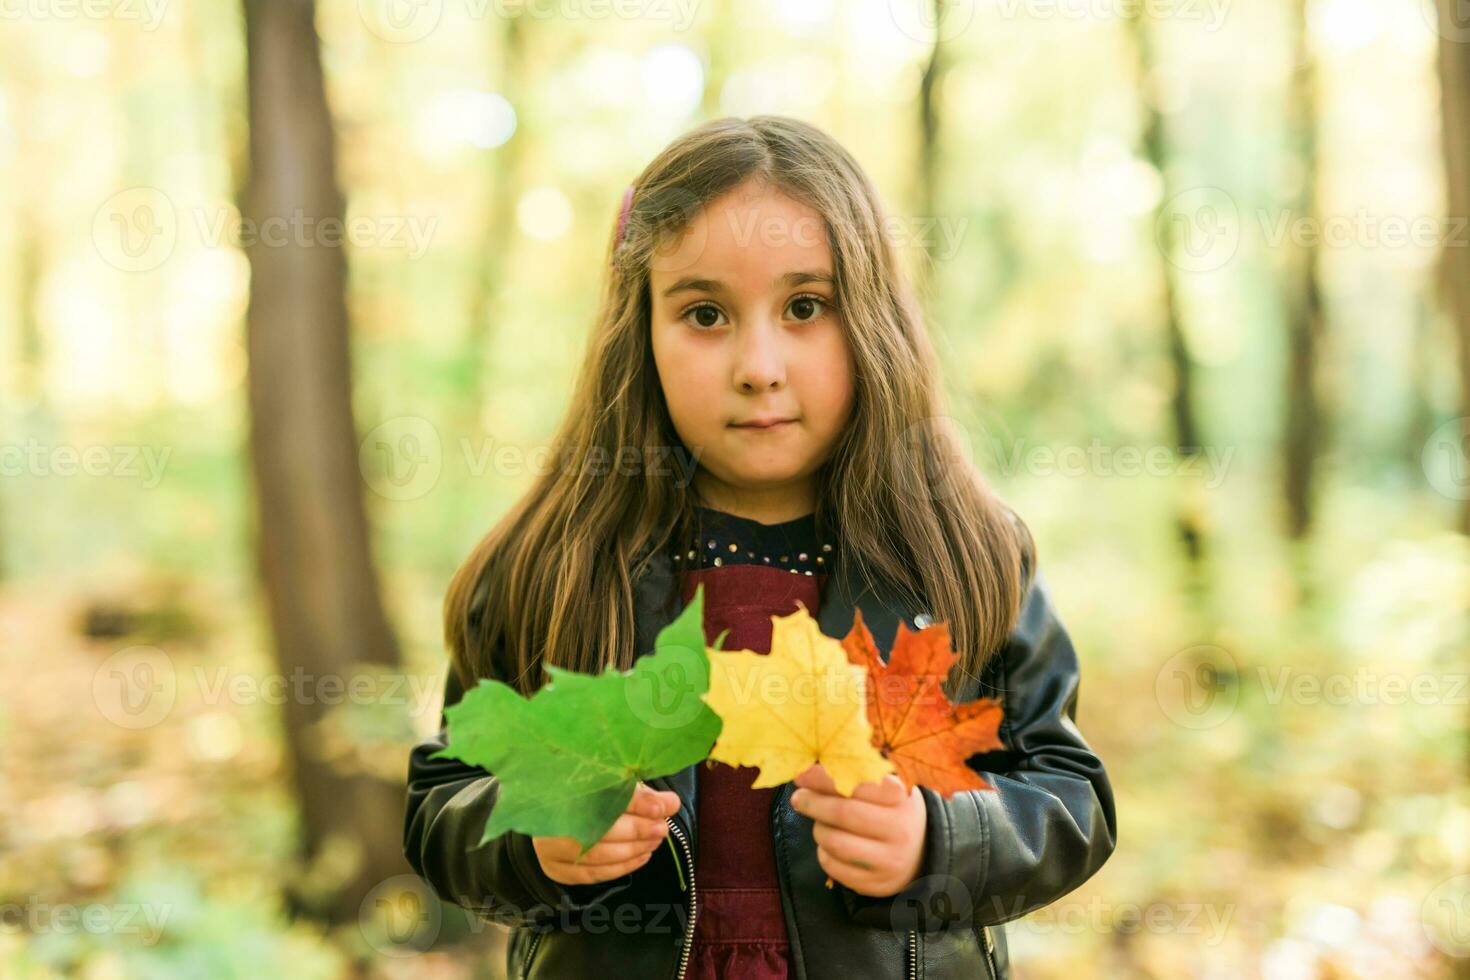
[926, 736]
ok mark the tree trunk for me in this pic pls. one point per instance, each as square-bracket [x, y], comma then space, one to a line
[1454, 74]
[314, 555]
[1181, 402]
[500, 229]
[1305, 317]
[929, 117]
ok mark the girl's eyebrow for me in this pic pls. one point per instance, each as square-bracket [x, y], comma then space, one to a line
[693, 284]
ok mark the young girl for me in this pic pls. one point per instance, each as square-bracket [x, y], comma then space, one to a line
[756, 319]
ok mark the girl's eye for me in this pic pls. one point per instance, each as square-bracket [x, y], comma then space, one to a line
[802, 306]
[700, 313]
[705, 316]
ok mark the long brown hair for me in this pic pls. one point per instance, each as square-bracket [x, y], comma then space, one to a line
[552, 581]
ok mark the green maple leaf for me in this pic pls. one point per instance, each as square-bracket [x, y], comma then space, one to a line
[569, 756]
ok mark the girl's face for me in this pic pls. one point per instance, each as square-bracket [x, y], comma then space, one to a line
[746, 332]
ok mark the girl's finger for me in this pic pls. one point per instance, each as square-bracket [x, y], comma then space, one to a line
[849, 813]
[888, 791]
[589, 874]
[614, 852]
[816, 777]
[849, 848]
[630, 826]
[848, 874]
[653, 803]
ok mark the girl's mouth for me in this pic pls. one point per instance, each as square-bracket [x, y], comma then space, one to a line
[763, 425]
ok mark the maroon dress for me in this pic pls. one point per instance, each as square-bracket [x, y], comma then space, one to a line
[750, 572]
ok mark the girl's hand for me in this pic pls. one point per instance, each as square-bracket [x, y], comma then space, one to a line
[627, 844]
[872, 841]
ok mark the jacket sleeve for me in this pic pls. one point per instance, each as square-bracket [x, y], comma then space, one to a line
[448, 805]
[1049, 823]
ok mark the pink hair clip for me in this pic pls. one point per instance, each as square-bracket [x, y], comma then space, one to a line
[623, 215]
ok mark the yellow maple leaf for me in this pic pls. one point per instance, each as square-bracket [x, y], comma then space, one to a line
[801, 704]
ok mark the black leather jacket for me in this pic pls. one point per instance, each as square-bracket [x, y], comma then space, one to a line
[990, 855]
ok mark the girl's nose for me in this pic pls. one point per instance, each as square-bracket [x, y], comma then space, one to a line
[760, 360]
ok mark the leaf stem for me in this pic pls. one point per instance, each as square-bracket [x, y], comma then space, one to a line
[670, 838]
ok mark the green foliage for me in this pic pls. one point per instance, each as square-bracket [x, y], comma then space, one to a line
[568, 757]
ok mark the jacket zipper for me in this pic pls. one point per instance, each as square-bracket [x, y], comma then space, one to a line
[693, 909]
[913, 954]
[989, 951]
[693, 899]
[531, 953]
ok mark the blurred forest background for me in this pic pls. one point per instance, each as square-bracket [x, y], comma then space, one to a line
[1200, 273]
